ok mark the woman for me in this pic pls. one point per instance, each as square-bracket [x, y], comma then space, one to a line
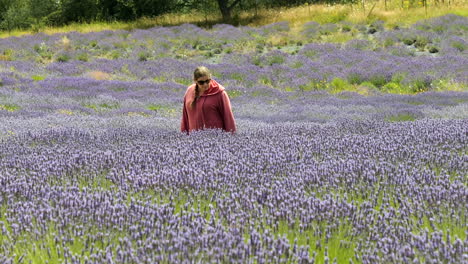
[206, 105]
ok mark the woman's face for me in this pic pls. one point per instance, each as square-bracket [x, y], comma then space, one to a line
[203, 83]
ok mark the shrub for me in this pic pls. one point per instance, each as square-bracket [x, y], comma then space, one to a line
[115, 54]
[63, 57]
[93, 44]
[421, 42]
[355, 78]
[83, 57]
[276, 59]
[346, 28]
[7, 55]
[313, 85]
[459, 45]
[256, 60]
[409, 40]
[378, 80]
[398, 78]
[143, 56]
[433, 49]
[372, 30]
[340, 85]
[388, 42]
[394, 88]
[420, 85]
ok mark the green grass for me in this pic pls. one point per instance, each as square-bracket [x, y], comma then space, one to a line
[101, 106]
[234, 93]
[403, 117]
[164, 109]
[442, 222]
[9, 107]
[37, 78]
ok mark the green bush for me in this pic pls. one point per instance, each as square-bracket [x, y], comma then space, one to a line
[275, 60]
[459, 45]
[398, 78]
[17, 16]
[420, 85]
[340, 85]
[433, 49]
[143, 56]
[83, 57]
[313, 86]
[395, 88]
[93, 44]
[409, 41]
[388, 42]
[354, 78]
[256, 60]
[378, 80]
[421, 42]
[63, 57]
[346, 28]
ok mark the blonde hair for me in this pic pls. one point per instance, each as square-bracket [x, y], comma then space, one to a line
[200, 71]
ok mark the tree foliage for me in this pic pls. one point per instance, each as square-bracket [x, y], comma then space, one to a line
[38, 13]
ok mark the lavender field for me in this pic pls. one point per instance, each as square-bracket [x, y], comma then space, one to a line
[352, 146]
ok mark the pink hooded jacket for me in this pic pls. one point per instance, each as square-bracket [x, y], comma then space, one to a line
[211, 110]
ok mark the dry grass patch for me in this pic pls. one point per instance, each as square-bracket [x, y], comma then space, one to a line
[99, 75]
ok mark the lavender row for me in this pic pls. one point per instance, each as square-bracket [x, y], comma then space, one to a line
[244, 57]
[360, 191]
[447, 33]
[315, 67]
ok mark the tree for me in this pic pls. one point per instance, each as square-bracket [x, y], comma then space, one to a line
[43, 12]
[42, 8]
[79, 10]
[4, 6]
[226, 7]
[151, 8]
[133, 9]
[16, 15]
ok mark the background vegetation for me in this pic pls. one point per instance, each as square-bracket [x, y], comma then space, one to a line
[39, 15]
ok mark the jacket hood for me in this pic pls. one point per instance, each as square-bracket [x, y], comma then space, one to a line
[214, 88]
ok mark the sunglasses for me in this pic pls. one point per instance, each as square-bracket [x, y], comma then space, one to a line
[203, 82]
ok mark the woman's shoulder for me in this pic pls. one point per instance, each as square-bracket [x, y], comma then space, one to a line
[190, 88]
